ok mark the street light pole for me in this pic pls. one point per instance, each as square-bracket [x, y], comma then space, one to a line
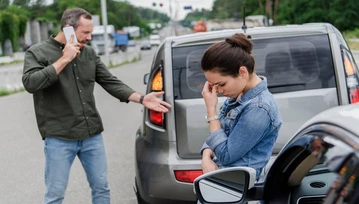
[104, 24]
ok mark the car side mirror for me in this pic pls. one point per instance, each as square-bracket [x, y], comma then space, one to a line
[228, 185]
[146, 78]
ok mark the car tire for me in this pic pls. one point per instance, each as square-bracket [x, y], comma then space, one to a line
[140, 199]
[138, 195]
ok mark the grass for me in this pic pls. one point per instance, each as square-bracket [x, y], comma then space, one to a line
[353, 45]
[4, 92]
[135, 59]
[351, 33]
[12, 62]
[350, 36]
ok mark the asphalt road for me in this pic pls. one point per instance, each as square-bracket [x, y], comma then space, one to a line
[21, 147]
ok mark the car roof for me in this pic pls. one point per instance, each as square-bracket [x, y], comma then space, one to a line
[255, 33]
[346, 117]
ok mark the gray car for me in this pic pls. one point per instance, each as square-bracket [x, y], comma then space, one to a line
[309, 69]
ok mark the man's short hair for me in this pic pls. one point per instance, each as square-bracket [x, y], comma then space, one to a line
[72, 16]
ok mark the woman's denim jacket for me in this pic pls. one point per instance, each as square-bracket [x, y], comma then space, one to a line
[250, 126]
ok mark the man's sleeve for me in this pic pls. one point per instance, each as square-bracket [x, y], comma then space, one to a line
[37, 75]
[111, 83]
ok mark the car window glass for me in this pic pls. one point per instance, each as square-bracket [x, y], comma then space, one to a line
[290, 64]
[287, 62]
[329, 151]
[344, 188]
[195, 77]
[326, 167]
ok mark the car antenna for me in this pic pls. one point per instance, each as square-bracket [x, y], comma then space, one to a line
[244, 27]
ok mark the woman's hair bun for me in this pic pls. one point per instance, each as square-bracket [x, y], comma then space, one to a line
[241, 41]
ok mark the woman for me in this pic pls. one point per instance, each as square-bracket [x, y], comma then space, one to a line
[244, 132]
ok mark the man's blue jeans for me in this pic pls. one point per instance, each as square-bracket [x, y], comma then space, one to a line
[60, 155]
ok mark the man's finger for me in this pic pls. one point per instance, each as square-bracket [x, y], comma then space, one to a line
[163, 109]
[159, 93]
[165, 104]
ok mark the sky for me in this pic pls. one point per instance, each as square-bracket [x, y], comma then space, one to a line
[177, 5]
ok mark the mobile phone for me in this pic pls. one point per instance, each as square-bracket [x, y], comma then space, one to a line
[68, 31]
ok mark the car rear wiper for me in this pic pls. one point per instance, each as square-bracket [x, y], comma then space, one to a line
[285, 85]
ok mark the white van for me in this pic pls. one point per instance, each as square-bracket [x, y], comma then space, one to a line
[155, 40]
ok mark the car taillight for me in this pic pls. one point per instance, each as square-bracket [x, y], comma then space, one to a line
[187, 176]
[156, 117]
[157, 82]
[354, 95]
[157, 85]
[351, 73]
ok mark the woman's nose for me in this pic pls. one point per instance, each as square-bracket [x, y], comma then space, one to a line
[219, 90]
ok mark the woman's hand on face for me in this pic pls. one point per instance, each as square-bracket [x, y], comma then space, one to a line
[209, 94]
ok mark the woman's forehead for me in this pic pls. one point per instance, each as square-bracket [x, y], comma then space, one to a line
[214, 78]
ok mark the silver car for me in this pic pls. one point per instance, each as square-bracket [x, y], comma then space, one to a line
[320, 164]
[309, 69]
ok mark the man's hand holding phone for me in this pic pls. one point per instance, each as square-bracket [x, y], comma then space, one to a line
[72, 48]
[68, 31]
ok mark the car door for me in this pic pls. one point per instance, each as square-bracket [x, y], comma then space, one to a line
[319, 165]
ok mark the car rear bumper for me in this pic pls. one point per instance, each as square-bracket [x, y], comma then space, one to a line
[155, 164]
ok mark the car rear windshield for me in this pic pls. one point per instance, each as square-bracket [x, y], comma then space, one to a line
[289, 64]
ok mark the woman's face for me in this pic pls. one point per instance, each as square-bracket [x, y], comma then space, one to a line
[228, 86]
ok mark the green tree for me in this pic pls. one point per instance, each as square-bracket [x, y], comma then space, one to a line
[223, 9]
[22, 3]
[13, 21]
[119, 14]
[23, 16]
[10, 29]
[341, 13]
[4, 4]
[149, 15]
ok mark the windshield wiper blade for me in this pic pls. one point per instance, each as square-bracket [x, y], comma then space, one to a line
[285, 85]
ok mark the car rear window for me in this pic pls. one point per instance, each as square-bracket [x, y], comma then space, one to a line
[290, 64]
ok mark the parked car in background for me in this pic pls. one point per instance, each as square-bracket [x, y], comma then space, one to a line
[131, 43]
[145, 44]
[320, 164]
[155, 40]
[309, 69]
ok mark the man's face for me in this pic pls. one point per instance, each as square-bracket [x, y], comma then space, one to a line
[83, 31]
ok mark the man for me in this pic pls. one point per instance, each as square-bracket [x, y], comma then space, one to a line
[62, 75]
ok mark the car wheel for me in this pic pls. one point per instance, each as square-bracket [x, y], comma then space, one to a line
[139, 199]
[138, 196]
